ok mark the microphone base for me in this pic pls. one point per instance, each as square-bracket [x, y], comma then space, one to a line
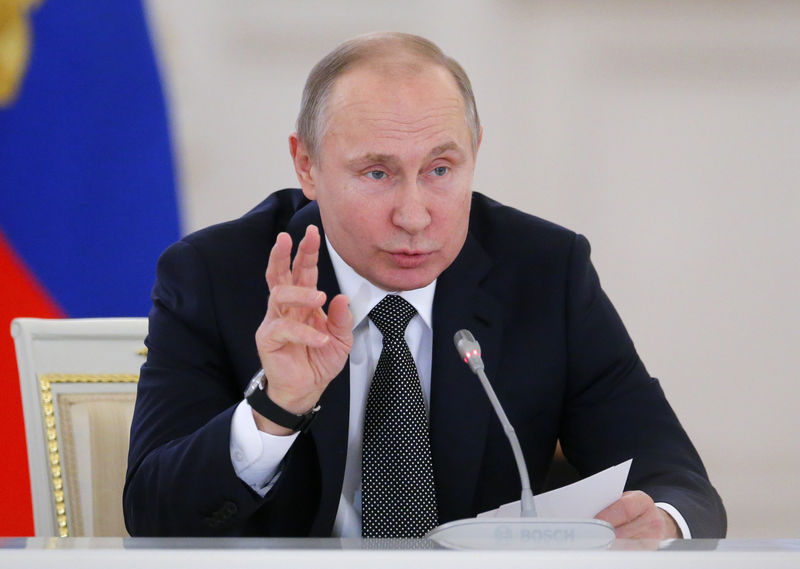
[523, 533]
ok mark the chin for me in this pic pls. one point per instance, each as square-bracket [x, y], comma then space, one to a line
[399, 281]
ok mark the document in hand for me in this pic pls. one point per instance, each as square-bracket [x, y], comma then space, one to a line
[583, 499]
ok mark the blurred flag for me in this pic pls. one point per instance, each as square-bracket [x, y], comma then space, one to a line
[87, 190]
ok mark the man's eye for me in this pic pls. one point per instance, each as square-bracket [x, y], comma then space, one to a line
[440, 170]
[376, 174]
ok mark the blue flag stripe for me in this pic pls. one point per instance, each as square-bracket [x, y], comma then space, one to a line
[86, 172]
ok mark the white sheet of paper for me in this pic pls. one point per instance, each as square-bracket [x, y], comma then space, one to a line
[583, 499]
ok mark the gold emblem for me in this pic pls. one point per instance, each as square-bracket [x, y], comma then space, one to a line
[15, 46]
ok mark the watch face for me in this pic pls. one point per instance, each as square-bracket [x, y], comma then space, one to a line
[256, 383]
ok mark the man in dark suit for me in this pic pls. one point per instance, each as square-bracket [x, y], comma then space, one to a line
[385, 152]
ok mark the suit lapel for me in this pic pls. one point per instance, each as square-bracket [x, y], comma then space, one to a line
[329, 430]
[460, 410]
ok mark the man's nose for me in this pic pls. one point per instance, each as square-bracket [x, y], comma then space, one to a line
[410, 208]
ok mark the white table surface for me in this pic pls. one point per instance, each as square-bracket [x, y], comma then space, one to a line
[230, 553]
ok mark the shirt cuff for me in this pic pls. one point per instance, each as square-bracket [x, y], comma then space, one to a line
[256, 456]
[676, 515]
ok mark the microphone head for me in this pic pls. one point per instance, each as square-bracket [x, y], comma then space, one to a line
[469, 349]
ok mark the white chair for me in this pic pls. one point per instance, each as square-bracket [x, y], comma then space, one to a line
[78, 381]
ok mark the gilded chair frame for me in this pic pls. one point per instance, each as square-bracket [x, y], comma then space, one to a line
[60, 362]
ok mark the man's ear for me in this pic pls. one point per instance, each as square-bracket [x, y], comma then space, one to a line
[303, 166]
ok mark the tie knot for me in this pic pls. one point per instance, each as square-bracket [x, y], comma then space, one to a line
[391, 315]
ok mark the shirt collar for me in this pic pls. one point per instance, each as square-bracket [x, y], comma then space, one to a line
[364, 295]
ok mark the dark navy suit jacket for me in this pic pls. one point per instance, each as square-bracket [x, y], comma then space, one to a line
[556, 352]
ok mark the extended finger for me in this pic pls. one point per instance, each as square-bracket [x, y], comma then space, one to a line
[304, 267]
[280, 258]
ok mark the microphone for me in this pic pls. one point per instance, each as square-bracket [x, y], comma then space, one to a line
[470, 351]
[468, 348]
[528, 531]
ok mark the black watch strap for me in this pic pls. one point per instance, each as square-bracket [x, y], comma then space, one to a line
[259, 401]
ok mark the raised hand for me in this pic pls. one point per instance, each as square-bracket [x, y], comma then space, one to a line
[301, 348]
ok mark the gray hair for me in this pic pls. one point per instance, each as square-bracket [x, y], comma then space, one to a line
[311, 121]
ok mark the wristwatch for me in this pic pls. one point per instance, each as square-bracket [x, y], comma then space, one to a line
[256, 395]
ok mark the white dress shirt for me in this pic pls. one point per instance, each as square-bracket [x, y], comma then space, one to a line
[256, 455]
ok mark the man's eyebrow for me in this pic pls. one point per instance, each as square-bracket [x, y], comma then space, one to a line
[372, 158]
[392, 160]
[442, 148]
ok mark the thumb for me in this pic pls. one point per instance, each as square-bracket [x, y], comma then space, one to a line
[340, 319]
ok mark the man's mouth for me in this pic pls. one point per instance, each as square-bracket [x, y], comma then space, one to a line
[409, 259]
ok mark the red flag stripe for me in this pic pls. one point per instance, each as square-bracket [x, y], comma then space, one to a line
[20, 295]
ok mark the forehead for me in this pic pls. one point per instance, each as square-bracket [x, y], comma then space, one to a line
[397, 99]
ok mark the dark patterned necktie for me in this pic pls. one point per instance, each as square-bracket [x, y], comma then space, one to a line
[398, 495]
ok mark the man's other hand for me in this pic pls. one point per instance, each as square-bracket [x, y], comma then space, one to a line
[635, 516]
[301, 348]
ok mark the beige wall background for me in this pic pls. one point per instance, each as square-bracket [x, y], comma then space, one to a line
[666, 131]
